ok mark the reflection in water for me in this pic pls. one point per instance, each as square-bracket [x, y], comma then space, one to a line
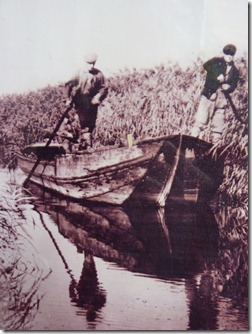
[170, 243]
[165, 243]
[180, 242]
[193, 244]
[87, 293]
[203, 306]
[162, 243]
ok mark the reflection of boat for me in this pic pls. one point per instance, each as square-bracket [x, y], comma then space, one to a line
[178, 167]
[181, 240]
[160, 242]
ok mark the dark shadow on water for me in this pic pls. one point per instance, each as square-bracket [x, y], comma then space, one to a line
[171, 243]
[180, 240]
[162, 242]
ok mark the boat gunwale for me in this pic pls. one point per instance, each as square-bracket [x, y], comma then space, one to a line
[97, 173]
[107, 169]
[200, 142]
[41, 161]
[139, 143]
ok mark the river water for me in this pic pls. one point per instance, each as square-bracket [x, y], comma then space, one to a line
[128, 268]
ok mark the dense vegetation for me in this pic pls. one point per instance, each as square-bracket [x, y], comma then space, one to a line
[147, 103]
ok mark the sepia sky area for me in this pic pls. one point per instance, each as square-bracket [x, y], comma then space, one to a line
[43, 42]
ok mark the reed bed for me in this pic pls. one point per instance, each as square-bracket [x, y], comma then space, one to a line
[232, 266]
[146, 103]
[21, 272]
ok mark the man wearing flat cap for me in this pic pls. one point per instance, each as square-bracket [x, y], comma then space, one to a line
[87, 89]
[222, 78]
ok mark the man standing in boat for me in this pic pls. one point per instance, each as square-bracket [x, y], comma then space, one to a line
[222, 78]
[86, 90]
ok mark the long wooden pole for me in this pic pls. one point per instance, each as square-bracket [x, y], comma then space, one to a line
[236, 113]
[48, 142]
[165, 190]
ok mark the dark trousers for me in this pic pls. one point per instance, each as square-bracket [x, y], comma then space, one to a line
[86, 111]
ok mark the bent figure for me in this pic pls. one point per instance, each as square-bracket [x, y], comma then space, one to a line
[87, 89]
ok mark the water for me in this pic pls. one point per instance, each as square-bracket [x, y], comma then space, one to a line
[131, 268]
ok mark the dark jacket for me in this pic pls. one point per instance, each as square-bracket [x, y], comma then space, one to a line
[90, 84]
[214, 67]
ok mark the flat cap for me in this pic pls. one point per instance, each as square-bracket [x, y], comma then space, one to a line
[90, 58]
[229, 49]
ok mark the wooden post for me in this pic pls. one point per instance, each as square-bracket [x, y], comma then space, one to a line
[130, 139]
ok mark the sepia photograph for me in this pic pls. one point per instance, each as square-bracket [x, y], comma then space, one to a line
[124, 154]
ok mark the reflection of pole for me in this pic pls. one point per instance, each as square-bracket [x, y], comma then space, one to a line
[57, 247]
[161, 221]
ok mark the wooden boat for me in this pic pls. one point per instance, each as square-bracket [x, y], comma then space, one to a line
[177, 168]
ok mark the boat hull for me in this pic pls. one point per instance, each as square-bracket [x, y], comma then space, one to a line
[153, 170]
[108, 176]
[113, 186]
[186, 170]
